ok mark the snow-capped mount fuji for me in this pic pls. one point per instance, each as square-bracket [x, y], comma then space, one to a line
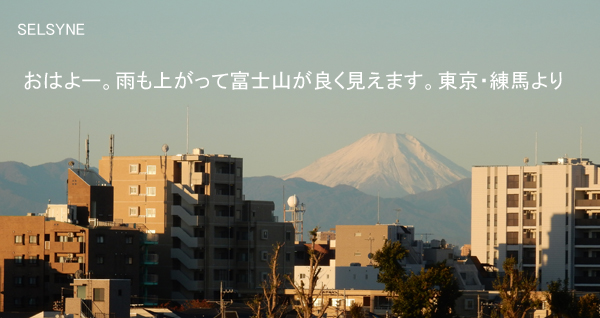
[392, 165]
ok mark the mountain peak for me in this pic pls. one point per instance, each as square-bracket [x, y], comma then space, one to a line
[392, 165]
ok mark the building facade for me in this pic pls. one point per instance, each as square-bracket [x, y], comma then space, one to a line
[545, 216]
[207, 232]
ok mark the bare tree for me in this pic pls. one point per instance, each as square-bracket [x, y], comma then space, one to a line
[306, 294]
[272, 302]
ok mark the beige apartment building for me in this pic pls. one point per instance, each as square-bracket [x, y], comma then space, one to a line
[207, 232]
[546, 216]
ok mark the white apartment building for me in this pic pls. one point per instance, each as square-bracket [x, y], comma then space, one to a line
[546, 216]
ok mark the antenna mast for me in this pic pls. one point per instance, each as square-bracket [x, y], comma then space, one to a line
[111, 153]
[87, 153]
[378, 207]
[79, 148]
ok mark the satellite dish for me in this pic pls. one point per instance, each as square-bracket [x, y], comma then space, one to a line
[165, 148]
[370, 255]
[293, 201]
[78, 274]
[71, 163]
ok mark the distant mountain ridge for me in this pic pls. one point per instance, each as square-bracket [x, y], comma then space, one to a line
[444, 212]
[392, 165]
[25, 189]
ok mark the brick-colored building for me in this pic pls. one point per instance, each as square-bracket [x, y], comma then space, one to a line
[41, 257]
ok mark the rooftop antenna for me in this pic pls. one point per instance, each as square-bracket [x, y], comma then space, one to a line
[398, 215]
[79, 149]
[111, 154]
[87, 153]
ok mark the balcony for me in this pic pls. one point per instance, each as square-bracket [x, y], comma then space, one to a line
[186, 260]
[186, 193]
[528, 241]
[186, 217]
[587, 203]
[528, 222]
[151, 279]
[185, 237]
[188, 283]
[587, 280]
[528, 260]
[68, 247]
[529, 203]
[149, 238]
[587, 222]
[151, 259]
[587, 241]
[529, 185]
[587, 261]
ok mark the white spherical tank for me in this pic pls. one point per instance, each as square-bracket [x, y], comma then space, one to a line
[293, 201]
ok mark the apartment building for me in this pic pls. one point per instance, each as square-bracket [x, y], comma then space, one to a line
[546, 216]
[207, 233]
[41, 257]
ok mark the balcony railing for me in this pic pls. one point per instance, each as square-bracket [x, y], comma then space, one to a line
[529, 203]
[587, 280]
[150, 238]
[151, 279]
[587, 222]
[529, 184]
[587, 260]
[528, 222]
[528, 241]
[528, 260]
[151, 259]
[587, 202]
[587, 241]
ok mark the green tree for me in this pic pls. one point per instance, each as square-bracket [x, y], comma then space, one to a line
[561, 299]
[388, 261]
[272, 302]
[306, 293]
[588, 305]
[430, 294]
[356, 310]
[515, 289]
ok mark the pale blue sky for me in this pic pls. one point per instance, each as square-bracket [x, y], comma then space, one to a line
[280, 131]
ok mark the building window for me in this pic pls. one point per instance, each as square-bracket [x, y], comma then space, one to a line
[19, 260]
[133, 211]
[512, 182]
[512, 200]
[100, 239]
[151, 191]
[33, 239]
[488, 200]
[265, 234]
[128, 260]
[33, 281]
[512, 219]
[18, 239]
[198, 166]
[512, 238]
[288, 236]
[98, 294]
[150, 212]
[133, 190]
[134, 168]
[33, 260]
[18, 280]
[469, 304]
[151, 169]
[99, 259]
[128, 239]
[288, 257]
[302, 276]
